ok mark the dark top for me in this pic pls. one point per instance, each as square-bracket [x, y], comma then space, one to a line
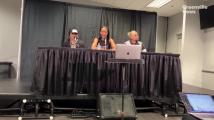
[79, 44]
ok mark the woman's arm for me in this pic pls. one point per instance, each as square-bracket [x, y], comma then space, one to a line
[112, 43]
[94, 44]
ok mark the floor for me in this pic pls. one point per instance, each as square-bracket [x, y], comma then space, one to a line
[12, 86]
[141, 116]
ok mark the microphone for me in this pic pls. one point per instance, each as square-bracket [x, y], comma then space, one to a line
[104, 42]
[76, 38]
[74, 42]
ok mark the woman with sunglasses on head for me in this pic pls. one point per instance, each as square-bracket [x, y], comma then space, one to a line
[73, 40]
[104, 41]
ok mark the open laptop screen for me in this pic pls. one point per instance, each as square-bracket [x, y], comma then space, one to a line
[200, 102]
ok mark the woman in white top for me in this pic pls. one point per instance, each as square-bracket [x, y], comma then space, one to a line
[134, 40]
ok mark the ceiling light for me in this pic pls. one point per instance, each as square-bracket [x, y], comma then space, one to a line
[158, 3]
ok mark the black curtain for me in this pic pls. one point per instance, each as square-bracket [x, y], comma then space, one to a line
[67, 72]
[85, 19]
[42, 26]
[120, 22]
[89, 19]
[46, 24]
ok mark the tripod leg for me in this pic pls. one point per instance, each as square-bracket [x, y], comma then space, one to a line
[36, 109]
[24, 101]
[123, 87]
[52, 108]
[123, 73]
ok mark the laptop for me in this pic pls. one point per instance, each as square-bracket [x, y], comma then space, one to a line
[199, 105]
[128, 51]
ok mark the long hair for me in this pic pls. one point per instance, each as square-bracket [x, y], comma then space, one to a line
[108, 35]
[68, 36]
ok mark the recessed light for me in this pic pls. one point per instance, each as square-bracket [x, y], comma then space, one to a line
[158, 3]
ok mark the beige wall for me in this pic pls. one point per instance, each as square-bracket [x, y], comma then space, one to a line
[208, 36]
[208, 61]
[197, 53]
[193, 49]
[10, 15]
[196, 50]
[174, 27]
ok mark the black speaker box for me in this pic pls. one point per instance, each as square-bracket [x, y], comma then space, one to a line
[110, 106]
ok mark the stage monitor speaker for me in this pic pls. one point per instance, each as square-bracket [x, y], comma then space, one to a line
[110, 106]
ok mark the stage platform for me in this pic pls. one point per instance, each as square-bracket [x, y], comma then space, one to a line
[141, 116]
[12, 88]
[13, 91]
[17, 89]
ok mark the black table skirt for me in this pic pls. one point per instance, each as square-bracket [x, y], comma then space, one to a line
[67, 72]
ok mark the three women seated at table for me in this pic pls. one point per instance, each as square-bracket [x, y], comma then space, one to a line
[103, 41]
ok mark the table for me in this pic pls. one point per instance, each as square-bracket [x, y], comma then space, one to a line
[67, 72]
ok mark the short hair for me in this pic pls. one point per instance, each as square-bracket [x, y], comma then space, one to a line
[129, 33]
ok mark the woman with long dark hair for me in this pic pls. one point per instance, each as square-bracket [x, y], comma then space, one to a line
[104, 41]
